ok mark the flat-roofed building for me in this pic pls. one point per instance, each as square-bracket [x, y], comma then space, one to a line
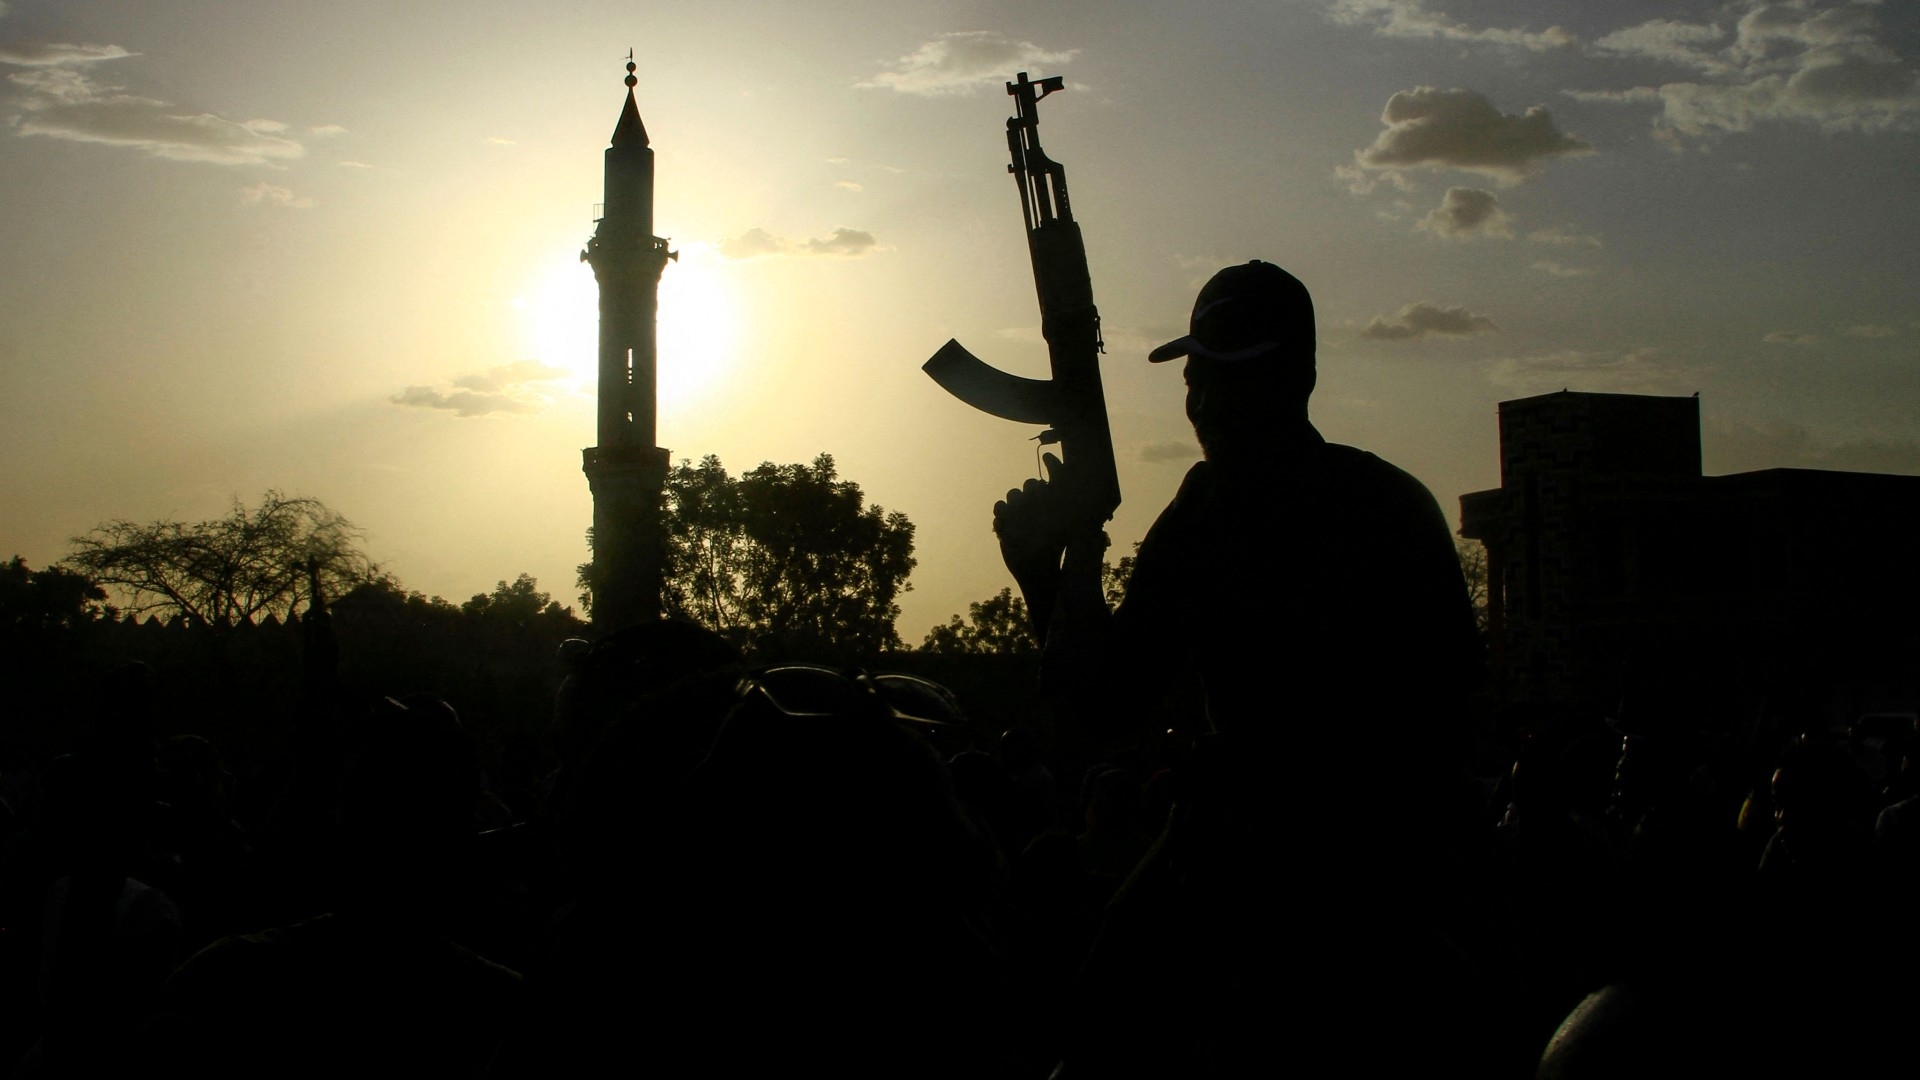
[1615, 567]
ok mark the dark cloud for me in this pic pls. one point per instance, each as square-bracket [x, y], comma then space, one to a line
[960, 63]
[1419, 319]
[1467, 214]
[1790, 337]
[1460, 129]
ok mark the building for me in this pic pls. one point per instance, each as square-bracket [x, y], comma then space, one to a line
[626, 471]
[1615, 569]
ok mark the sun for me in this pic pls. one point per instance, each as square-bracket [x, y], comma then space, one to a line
[696, 327]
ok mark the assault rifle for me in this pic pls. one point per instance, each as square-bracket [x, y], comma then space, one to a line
[1071, 404]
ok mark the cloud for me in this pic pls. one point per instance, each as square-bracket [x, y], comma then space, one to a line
[961, 63]
[759, 243]
[1557, 270]
[512, 376]
[264, 192]
[31, 54]
[1467, 214]
[1161, 453]
[1872, 331]
[752, 244]
[1419, 319]
[61, 103]
[1741, 445]
[1361, 182]
[1563, 238]
[842, 242]
[460, 402]
[1790, 337]
[353, 164]
[849, 185]
[1665, 39]
[1787, 63]
[508, 388]
[326, 130]
[1429, 128]
[1638, 371]
[1411, 19]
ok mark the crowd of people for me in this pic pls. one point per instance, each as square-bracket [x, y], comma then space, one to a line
[736, 869]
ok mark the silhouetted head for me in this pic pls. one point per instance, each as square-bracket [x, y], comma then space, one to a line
[1818, 785]
[608, 678]
[816, 777]
[1250, 355]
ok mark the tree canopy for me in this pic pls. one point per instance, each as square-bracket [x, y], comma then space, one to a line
[790, 552]
[231, 569]
[1000, 624]
[53, 598]
[995, 625]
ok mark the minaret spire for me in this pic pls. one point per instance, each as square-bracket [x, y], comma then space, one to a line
[626, 471]
[630, 130]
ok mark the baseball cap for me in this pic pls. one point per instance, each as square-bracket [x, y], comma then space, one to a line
[1246, 312]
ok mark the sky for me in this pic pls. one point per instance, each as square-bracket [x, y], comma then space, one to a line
[333, 249]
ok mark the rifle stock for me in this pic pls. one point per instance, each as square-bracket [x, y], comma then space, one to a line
[1072, 404]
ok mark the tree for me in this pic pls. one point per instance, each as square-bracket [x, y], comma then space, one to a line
[783, 551]
[54, 598]
[1000, 624]
[232, 569]
[518, 602]
[995, 625]
[1473, 567]
[1114, 578]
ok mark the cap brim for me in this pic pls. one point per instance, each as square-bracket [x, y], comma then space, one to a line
[1172, 350]
[1190, 346]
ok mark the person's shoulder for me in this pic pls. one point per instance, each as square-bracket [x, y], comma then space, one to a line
[1363, 466]
[1198, 478]
[1193, 495]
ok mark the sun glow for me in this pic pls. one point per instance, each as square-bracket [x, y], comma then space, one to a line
[696, 329]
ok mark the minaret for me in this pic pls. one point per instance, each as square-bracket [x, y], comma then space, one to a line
[626, 472]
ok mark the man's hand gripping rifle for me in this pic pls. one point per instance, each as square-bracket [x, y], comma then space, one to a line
[1085, 487]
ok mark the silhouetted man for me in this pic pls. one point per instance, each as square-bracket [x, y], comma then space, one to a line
[1314, 585]
[1299, 897]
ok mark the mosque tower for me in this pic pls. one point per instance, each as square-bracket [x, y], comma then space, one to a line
[626, 471]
